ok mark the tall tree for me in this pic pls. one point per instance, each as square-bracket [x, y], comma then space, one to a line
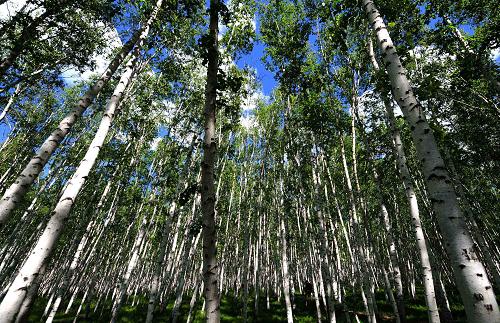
[471, 278]
[209, 231]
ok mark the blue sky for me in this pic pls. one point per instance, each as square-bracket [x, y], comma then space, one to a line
[254, 59]
[4, 131]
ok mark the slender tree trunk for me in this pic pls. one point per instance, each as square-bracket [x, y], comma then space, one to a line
[404, 172]
[84, 298]
[396, 272]
[470, 276]
[209, 233]
[256, 265]
[286, 276]
[165, 235]
[76, 257]
[197, 285]
[390, 295]
[360, 252]
[430, 295]
[9, 104]
[188, 256]
[393, 255]
[324, 257]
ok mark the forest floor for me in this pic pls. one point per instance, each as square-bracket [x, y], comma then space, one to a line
[232, 308]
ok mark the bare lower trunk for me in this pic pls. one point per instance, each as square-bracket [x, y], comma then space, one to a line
[198, 284]
[165, 235]
[24, 311]
[396, 271]
[155, 284]
[76, 257]
[134, 258]
[390, 295]
[406, 178]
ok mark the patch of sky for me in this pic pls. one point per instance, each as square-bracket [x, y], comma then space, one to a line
[254, 59]
[5, 129]
[163, 131]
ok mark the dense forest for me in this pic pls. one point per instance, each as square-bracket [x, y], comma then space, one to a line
[249, 161]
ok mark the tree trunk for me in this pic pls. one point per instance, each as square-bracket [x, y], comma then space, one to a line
[31, 295]
[430, 296]
[165, 235]
[477, 233]
[10, 102]
[324, 257]
[76, 257]
[209, 233]
[470, 276]
[286, 276]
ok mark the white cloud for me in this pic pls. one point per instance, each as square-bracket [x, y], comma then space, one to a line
[155, 142]
[72, 75]
[495, 54]
[247, 118]
[10, 8]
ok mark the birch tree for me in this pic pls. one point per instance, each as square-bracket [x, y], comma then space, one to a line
[472, 280]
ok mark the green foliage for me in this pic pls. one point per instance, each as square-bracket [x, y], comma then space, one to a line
[285, 30]
[325, 117]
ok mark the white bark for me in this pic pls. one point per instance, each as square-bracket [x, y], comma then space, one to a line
[284, 267]
[470, 276]
[10, 102]
[24, 311]
[165, 235]
[392, 300]
[404, 172]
